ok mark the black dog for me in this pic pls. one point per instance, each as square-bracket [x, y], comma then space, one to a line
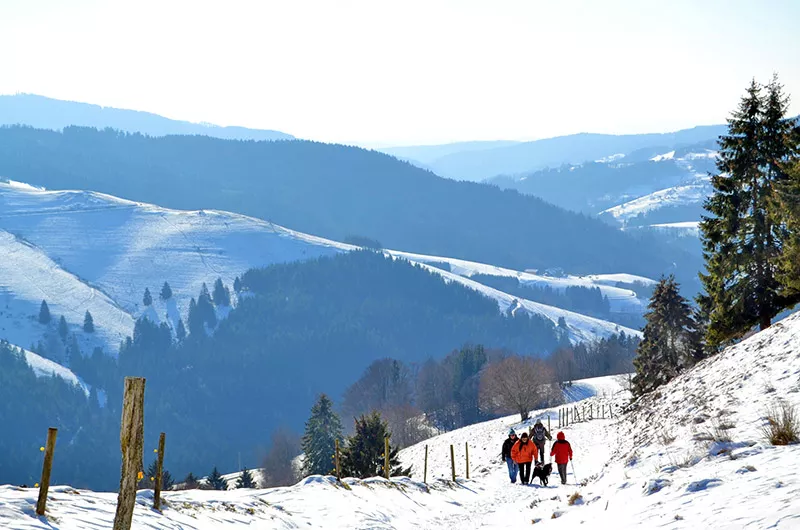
[543, 472]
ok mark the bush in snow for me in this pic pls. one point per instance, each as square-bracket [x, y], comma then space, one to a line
[783, 427]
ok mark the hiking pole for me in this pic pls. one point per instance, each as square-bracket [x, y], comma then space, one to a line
[573, 471]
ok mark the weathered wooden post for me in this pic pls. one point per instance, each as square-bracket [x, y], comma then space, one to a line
[453, 462]
[47, 467]
[466, 448]
[425, 473]
[131, 439]
[159, 472]
[336, 460]
[386, 467]
[548, 422]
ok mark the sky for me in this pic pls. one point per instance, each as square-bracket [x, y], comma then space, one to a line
[405, 72]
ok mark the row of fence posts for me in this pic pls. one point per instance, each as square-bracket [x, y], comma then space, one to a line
[574, 414]
[131, 445]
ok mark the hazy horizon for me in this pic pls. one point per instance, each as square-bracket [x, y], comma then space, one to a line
[411, 73]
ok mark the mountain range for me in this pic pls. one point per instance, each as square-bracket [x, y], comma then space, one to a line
[47, 113]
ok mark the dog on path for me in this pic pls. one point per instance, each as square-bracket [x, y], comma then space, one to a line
[543, 472]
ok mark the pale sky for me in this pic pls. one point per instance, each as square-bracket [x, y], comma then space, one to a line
[406, 71]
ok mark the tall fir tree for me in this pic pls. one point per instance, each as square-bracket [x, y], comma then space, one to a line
[180, 332]
[63, 330]
[364, 455]
[147, 299]
[789, 272]
[237, 285]
[215, 480]
[222, 295]
[166, 292]
[88, 323]
[166, 478]
[44, 313]
[245, 480]
[672, 340]
[743, 235]
[323, 428]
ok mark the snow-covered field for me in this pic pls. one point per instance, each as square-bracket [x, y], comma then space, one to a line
[82, 250]
[664, 464]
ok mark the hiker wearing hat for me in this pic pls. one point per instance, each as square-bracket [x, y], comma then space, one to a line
[562, 450]
[539, 434]
[524, 452]
[508, 443]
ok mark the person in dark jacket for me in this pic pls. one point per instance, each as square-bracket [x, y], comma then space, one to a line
[562, 450]
[513, 468]
[539, 434]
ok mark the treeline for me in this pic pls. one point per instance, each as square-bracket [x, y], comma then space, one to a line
[585, 300]
[751, 243]
[329, 190]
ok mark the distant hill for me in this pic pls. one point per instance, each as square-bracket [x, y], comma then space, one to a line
[427, 154]
[332, 191]
[487, 160]
[46, 113]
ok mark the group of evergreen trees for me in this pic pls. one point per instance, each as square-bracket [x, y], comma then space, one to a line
[751, 242]
[361, 455]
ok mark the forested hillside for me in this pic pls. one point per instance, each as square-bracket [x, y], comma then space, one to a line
[299, 329]
[333, 191]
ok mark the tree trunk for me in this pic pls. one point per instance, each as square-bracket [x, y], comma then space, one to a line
[524, 414]
[765, 322]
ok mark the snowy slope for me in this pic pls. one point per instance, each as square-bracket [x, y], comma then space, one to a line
[115, 248]
[660, 465]
[46, 368]
[28, 276]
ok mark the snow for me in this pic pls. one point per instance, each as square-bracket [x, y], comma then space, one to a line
[612, 279]
[666, 156]
[621, 300]
[674, 196]
[46, 368]
[658, 465]
[83, 250]
[685, 228]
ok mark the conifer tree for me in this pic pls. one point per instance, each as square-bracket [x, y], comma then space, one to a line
[237, 285]
[205, 310]
[789, 269]
[44, 313]
[215, 480]
[222, 296]
[62, 328]
[363, 457]
[744, 233]
[191, 482]
[147, 299]
[88, 323]
[245, 480]
[671, 338]
[323, 428]
[180, 333]
[166, 292]
[166, 478]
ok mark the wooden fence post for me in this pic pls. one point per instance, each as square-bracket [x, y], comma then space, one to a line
[466, 448]
[548, 423]
[453, 462]
[425, 474]
[131, 438]
[386, 467]
[47, 467]
[159, 472]
[336, 460]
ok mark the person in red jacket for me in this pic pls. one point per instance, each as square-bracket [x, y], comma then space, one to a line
[524, 452]
[562, 450]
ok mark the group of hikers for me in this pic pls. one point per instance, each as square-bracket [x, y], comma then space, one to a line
[520, 452]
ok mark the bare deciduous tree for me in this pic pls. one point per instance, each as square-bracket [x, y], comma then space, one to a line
[518, 385]
[278, 465]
